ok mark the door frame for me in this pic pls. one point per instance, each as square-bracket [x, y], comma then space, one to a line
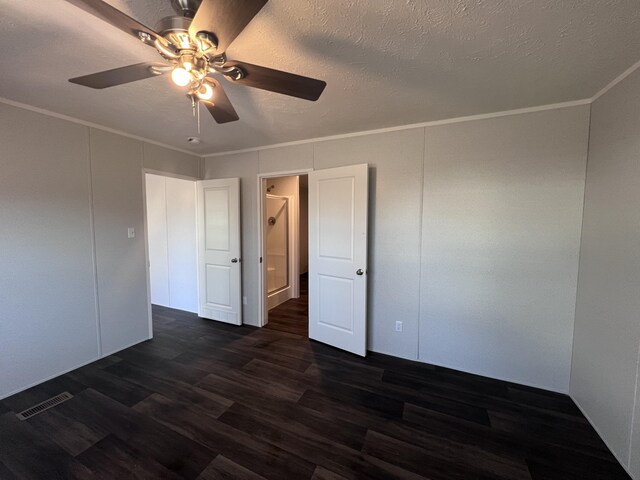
[262, 271]
[146, 233]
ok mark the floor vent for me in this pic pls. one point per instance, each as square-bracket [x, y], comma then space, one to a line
[46, 405]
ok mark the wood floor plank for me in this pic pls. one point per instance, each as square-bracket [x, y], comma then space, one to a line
[211, 402]
[224, 469]
[322, 473]
[19, 441]
[142, 433]
[205, 400]
[436, 465]
[111, 458]
[110, 385]
[238, 446]
[305, 443]
[73, 436]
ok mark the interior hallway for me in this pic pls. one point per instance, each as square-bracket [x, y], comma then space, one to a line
[292, 316]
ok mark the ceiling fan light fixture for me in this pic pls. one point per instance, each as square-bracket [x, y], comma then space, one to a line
[166, 50]
[181, 77]
[205, 92]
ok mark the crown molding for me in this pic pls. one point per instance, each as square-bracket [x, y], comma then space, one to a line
[471, 118]
[616, 81]
[434, 123]
[96, 126]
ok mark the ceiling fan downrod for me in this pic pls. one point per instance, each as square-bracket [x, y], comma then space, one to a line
[186, 8]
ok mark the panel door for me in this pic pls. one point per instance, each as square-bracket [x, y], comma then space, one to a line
[219, 274]
[338, 201]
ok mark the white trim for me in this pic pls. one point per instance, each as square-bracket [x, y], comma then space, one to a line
[145, 234]
[292, 290]
[67, 118]
[615, 454]
[434, 123]
[261, 177]
[162, 173]
[94, 254]
[616, 81]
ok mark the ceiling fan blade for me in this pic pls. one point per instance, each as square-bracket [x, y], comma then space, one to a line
[225, 19]
[220, 106]
[115, 17]
[279, 82]
[119, 76]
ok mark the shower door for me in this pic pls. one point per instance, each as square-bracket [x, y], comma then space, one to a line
[278, 249]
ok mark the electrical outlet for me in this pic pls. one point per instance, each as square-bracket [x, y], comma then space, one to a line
[398, 326]
[131, 233]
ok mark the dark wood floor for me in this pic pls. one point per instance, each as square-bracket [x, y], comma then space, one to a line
[212, 401]
[293, 315]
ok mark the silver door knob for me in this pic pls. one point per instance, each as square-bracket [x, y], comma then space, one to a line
[359, 272]
[234, 260]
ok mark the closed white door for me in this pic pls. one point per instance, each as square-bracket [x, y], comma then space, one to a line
[338, 199]
[219, 276]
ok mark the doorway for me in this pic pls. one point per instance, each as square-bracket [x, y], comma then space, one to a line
[170, 210]
[284, 233]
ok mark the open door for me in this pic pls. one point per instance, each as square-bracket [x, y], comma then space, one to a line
[338, 257]
[219, 276]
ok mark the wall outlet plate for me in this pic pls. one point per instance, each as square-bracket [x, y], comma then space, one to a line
[398, 326]
[131, 232]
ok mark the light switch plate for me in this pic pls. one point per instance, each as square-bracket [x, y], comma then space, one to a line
[131, 233]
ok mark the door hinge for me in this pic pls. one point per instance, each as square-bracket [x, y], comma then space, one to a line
[260, 259]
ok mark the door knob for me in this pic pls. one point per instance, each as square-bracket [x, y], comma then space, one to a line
[359, 272]
[234, 260]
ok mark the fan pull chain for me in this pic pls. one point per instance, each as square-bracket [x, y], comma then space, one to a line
[198, 109]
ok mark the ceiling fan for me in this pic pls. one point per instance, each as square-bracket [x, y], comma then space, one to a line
[193, 45]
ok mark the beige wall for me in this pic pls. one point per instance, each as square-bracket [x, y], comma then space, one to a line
[536, 161]
[72, 285]
[500, 244]
[604, 375]
[47, 279]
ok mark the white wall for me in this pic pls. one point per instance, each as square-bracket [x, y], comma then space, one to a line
[47, 279]
[61, 184]
[536, 161]
[116, 172]
[501, 237]
[607, 329]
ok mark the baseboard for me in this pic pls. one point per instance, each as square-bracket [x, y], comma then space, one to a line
[595, 427]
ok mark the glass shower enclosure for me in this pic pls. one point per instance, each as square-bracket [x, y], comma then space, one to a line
[277, 236]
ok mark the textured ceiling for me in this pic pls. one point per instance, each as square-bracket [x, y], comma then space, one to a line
[386, 62]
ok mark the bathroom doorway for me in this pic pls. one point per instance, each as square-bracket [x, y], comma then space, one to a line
[284, 240]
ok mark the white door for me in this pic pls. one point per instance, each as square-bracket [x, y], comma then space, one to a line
[219, 250]
[338, 199]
